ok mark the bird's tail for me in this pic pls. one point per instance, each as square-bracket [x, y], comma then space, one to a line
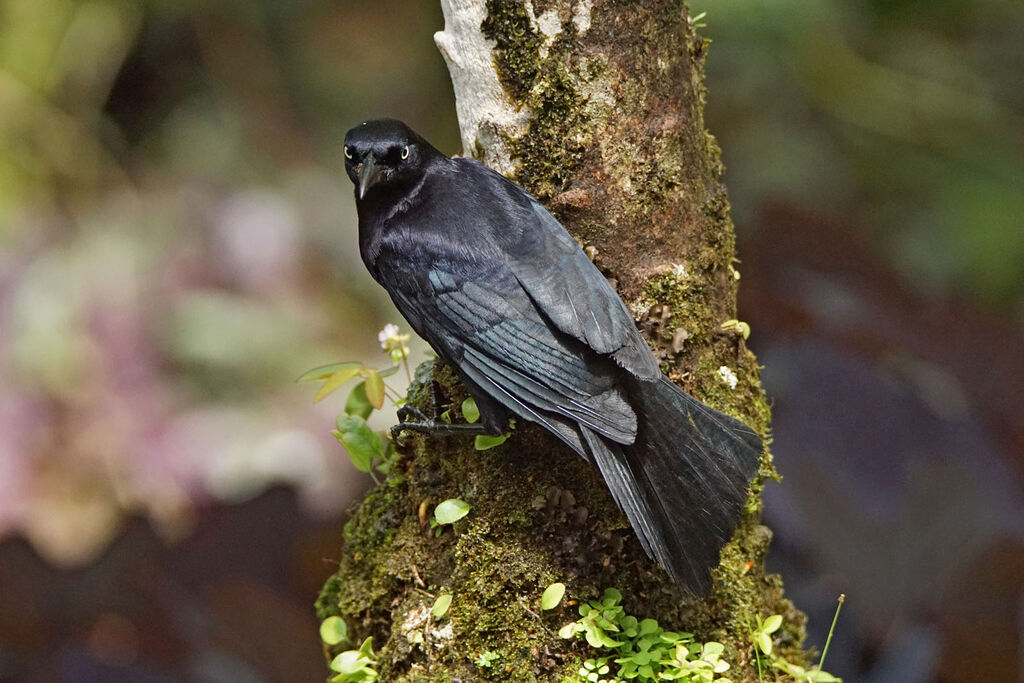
[683, 482]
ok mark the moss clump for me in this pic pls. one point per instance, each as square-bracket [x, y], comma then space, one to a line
[518, 45]
[555, 143]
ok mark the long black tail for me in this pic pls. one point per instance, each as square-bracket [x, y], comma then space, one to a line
[683, 483]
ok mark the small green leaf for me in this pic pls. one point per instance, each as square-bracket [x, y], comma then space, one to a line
[764, 641]
[335, 381]
[375, 389]
[553, 595]
[470, 411]
[362, 443]
[357, 403]
[333, 630]
[353, 663]
[568, 631]
[450, 511]
[485, 442]
[441, 605]
[772, 623]
[346, 663]
[325, 371]
[648, 626]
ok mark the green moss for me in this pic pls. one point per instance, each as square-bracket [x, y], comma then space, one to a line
[556, 140]
[518, 45]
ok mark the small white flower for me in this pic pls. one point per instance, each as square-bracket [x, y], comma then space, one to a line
[389, 332]
[395, 343]
[728, 376]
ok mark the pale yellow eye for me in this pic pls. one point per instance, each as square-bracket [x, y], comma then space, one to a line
[405, 152]
[348, 152]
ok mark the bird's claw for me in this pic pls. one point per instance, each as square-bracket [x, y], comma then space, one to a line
[407, 411]
[425, 425]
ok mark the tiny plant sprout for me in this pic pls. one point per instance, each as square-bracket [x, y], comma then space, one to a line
[355, 666]
[450, 511]
[333, 630]
[485, 659]
[737, 326]
[763, 635]
[470, 410]
[553, 595]
[441, 605]
[486, 442]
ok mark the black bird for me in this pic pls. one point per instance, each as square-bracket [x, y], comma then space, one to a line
[499, 289]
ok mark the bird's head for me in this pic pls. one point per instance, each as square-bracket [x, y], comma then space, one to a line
[385, 153]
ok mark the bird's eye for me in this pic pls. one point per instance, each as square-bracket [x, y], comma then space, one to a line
[405, 152]
[348, 152]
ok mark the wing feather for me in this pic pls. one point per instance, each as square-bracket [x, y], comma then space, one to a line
[492, 329]
[574, 295]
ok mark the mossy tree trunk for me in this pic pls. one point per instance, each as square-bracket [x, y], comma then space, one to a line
[596, 107]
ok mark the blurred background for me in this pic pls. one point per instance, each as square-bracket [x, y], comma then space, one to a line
[177, 245]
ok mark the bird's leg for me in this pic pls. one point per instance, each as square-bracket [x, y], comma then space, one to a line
[494, 418]
[427, 425]
[436, 427]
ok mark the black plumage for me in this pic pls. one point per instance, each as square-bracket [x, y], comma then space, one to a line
[501, 291]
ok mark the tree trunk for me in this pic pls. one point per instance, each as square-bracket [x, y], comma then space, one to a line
[596, 107]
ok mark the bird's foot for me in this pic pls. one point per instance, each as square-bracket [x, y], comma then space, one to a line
[417, 415]
[426, 425]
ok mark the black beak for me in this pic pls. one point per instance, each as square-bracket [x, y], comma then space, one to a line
[369, 174]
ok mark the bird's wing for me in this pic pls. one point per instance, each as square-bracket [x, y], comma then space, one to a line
[569, 289]
[492, 331]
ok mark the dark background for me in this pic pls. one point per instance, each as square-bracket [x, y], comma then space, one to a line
[177, 244]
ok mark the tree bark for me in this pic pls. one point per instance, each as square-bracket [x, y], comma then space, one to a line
[596, 107]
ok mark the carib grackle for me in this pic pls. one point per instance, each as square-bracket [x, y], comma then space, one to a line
[499, 289]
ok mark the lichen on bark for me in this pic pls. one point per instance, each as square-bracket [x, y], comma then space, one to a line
[606, 127]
